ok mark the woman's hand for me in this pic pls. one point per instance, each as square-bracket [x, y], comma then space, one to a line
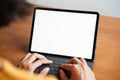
[79, 70]
[31, 61]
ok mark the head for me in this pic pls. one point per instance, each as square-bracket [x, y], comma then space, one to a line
[9, 9]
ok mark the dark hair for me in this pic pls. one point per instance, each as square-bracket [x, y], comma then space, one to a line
[9, 9]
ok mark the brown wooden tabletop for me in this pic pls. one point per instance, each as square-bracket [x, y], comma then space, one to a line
[14, 44]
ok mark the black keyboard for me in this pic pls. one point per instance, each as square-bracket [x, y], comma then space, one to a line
[55, 66]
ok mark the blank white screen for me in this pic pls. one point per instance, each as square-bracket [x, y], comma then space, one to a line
[64, 33]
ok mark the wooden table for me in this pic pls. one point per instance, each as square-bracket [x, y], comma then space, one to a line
[14, 44]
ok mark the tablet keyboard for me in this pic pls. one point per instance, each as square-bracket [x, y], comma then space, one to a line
[54, 67]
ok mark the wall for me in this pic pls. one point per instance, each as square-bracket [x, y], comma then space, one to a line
[104, 7]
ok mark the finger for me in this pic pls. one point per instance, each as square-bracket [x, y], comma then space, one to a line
[83, 61]
[33, 57]
[19, 64]
[45, 71]
[67, 66]
[39, 56]
[74, 61]
[26, 63]
[62, 75]
[38, 63]
[26, 56]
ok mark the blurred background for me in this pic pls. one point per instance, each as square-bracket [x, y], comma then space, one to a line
[104, 7]
[9, 9]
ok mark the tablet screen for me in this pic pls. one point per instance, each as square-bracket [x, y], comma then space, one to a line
[64, 32]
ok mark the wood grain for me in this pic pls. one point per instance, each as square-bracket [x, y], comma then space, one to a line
[107, 59]
[14, 44]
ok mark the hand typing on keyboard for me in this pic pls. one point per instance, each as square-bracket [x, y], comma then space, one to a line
[79, 70]
[31, 61]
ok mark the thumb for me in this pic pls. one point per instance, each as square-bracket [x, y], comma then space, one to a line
[62, 75]
[45, 71]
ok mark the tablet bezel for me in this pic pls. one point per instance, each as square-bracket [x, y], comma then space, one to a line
[65, 10]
